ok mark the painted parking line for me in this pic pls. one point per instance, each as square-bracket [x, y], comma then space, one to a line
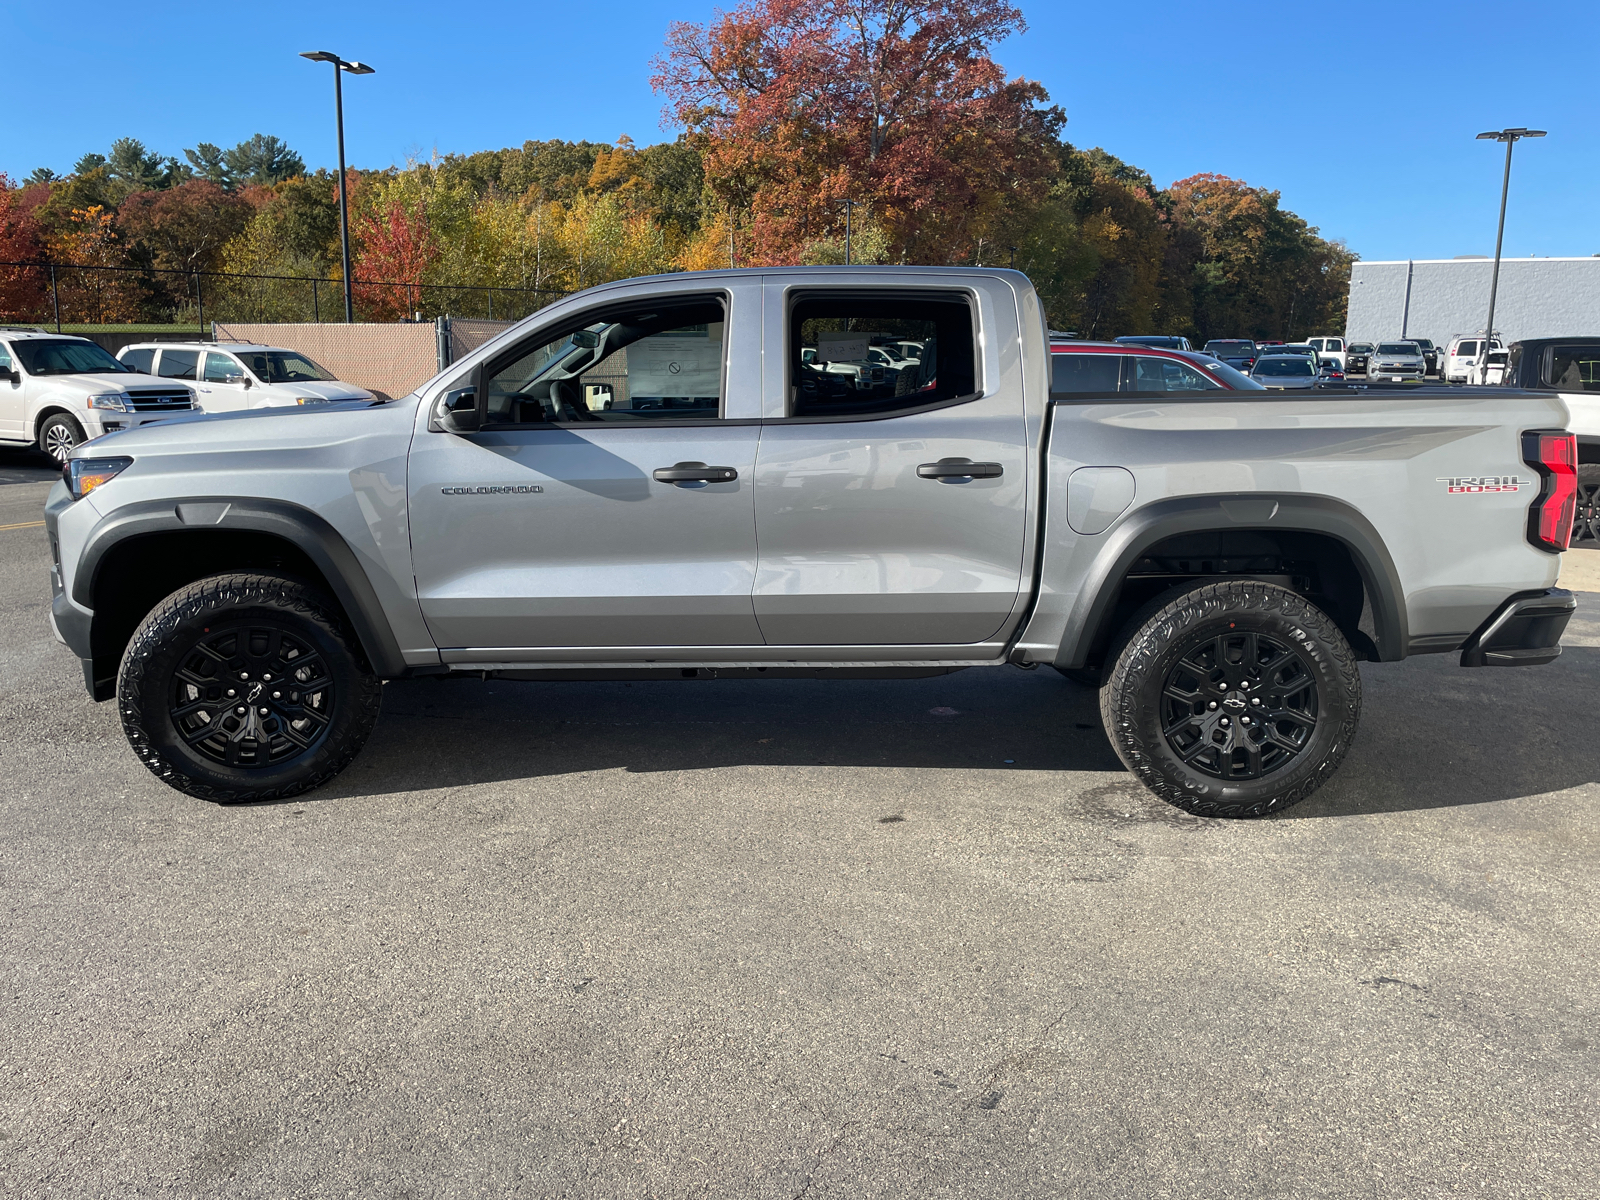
[24, 525]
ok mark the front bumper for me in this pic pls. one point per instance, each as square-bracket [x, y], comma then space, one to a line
[1525, 631]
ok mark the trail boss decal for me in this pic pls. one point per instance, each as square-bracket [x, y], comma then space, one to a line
[1467, 485]
[520, 489]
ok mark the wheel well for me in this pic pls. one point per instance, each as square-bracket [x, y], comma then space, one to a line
[49, 411]
[1317, 566]
[137, 574]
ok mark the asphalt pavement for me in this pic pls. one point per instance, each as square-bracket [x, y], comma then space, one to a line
[799, 939]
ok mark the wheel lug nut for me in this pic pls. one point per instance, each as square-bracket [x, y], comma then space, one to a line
[1223, 686]
[262, 711]
[240, 710]
[1224, 720]
[279, 696]
[231, 692]
[1212, 705]
[1255, 699]
[266, 678]
[244, 674]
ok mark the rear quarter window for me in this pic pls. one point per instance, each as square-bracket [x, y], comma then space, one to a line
[139, 360]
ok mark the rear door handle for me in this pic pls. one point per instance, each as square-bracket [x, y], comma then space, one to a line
[694, 472]
[959, 468]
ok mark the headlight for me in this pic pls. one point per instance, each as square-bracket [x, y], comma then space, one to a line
[83, 475]
[116, 401]
[310, 400]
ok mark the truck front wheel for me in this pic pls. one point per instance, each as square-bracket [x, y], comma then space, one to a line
[1234, 699]
[246, 687]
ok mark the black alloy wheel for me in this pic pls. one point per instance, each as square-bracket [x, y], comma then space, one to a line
[1236, 698]
[1586, 513]
[1240, 706]
[246, 687]
[251, 695]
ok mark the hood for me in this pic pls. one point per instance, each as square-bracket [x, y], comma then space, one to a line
[283, 426]
[95, 385]
[332, 390]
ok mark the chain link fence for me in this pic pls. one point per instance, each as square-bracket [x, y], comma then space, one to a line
[59, 294]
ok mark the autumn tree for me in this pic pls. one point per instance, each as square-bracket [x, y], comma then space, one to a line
[897, 104]
[22, 289]
[1262, 271]
[99, 292]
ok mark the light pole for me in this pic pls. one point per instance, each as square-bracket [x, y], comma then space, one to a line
[1510, 137]
[355, 68]
[849, 212]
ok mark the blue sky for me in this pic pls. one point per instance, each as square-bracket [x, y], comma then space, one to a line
[1361, 114]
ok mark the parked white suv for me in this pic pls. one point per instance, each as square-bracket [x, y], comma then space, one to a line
[1461, 362]
[1328, 348]
[234, 376]
[58, 391]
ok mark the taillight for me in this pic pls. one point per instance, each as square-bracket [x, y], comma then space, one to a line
[1555, 456]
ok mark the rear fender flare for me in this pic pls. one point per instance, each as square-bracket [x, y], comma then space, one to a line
[1271, 513]
[308, 531]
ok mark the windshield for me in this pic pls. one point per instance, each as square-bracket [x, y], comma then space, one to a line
[1232, 349]
[1284, 367]
[1158, 341]
[1423, 343]
[66, 357]
[1360, 347]
[284, 366]
[1405, 349]
[1232, 378]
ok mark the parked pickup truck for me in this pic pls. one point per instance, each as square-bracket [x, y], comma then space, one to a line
[644, 481]
[1570, 368]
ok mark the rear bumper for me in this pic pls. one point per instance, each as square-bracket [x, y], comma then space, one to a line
[1525, 631]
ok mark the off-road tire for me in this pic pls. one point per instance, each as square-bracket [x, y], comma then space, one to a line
[1586, 513]
[172, 633]
[1176, 627]
[60, 435]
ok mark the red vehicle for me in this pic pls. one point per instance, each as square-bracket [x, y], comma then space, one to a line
[1104, 368]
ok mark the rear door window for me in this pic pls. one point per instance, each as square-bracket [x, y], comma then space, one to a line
[139, 360]
[179, 364]
[1573, 368]
[1084, 374]
[834, 372]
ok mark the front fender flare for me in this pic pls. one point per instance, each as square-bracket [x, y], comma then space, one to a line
[300, 526]
[1132, 538]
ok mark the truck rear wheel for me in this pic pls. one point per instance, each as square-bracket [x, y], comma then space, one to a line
[1586, 517]
[246, 687]
[1233, 699]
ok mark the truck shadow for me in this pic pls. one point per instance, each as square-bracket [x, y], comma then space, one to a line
[1432, 735]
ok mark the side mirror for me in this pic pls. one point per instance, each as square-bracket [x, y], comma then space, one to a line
[237, 378]
[588, 339]
[458, 411]
[15, 376]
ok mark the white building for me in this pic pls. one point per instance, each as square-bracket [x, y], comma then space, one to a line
[1440, 298]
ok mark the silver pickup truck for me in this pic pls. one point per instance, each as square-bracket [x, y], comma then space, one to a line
[813, 472]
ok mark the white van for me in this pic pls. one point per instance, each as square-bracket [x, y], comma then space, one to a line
[233, 376]
[1461, 363]
[1328, 348]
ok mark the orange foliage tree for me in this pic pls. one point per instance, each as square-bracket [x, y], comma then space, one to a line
[22, 289]
[800, 104]
[107, 296]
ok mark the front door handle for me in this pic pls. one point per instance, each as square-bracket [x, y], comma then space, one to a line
[959, 468]
[694, 472]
